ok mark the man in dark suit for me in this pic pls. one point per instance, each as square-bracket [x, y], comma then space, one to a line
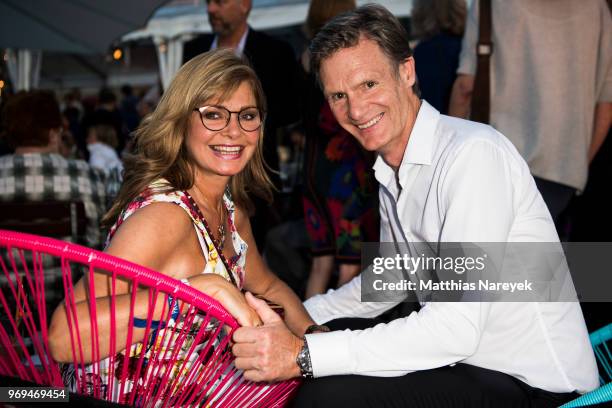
[276, 66]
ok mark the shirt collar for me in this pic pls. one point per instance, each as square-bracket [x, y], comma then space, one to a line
[419, 150]
[239, 50]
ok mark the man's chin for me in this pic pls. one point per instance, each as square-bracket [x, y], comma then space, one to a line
[216, 26]
[369, 142]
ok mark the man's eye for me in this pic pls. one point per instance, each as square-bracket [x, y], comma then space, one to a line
[370, 84]
[337, 96]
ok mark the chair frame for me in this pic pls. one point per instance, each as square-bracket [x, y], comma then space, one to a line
[228, 390]
[601, 340]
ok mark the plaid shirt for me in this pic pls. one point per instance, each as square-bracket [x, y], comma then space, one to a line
[50, 177]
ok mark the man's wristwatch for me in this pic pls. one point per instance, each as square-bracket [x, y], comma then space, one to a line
[303, 361]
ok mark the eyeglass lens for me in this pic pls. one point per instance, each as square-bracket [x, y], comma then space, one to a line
[217, 118]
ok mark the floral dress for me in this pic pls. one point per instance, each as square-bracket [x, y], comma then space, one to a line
[340, 194]
[215, 263]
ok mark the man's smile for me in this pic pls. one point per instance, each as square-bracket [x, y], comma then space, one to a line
[371, 122]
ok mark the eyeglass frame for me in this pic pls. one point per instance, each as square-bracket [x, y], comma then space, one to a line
[262, 114]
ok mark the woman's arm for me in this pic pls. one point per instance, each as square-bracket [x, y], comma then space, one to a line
[172, 251]
[261, 281]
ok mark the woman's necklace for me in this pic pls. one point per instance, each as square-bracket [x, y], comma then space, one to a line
[219, 242]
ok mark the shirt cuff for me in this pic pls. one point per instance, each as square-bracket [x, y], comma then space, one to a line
[330, 353]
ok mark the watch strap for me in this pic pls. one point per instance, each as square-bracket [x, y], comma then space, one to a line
[303, 361]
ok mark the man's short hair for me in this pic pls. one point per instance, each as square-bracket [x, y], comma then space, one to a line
[371, 21]
[29, 116]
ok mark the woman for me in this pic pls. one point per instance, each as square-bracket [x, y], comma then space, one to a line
[340, 208]
[185, 191]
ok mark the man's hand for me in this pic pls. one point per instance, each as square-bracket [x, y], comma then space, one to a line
[266, 353]
[230, 298]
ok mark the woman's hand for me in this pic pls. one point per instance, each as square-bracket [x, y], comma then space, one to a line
[229, 296]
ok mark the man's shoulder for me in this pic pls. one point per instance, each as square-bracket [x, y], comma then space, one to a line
[465, 138]
[463, 131]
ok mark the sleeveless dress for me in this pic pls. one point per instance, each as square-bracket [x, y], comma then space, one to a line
[157, 192]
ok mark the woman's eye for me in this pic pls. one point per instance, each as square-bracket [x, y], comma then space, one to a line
[212, 115]
[248, 116]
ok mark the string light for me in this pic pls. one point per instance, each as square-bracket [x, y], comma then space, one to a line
[117, 54]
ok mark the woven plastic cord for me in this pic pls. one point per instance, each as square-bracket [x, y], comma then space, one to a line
[599, 396]
[601, 340]
[158, 343]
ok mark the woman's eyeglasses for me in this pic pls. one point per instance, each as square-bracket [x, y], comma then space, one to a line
[217, 118]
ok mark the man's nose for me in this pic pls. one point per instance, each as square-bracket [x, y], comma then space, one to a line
[356, 109]
[212, 6]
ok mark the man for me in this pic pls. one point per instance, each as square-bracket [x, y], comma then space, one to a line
[275, 65]
[441, 180]
[553, 100]
[37, 172]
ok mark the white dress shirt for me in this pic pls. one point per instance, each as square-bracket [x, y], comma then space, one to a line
[239, 50]
[459, 181]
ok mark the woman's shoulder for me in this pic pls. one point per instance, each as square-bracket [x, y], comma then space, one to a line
[159, 191]
[161, 214]
[160, 201]
[152, 235]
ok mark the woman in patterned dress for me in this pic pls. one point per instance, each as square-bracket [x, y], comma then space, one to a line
[183, 206]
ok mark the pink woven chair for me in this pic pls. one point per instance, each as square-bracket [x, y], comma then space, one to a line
[188, 361]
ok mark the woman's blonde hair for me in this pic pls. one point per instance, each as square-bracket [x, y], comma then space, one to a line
[160, 150]
[432, 17]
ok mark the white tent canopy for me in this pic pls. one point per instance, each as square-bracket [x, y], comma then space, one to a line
[28, 27]
[171, 26]
[174, 21]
